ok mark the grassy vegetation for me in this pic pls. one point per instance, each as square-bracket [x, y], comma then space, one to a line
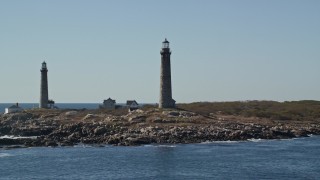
[307, 110]
[293, 110]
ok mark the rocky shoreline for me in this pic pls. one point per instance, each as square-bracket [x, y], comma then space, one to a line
[171, 126]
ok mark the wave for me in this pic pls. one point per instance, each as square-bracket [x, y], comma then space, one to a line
[219, 142]
[266, 140]
[83, 146]
[169, 146]
[2, 155]
[161, 146]
[17, 137]
[257, 140]
[290, 139]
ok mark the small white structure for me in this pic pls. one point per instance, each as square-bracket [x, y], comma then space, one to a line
[109, 104]
[13, 109]
[132, 105]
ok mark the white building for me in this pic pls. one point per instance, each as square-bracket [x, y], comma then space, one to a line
[132, 105]
[108, 104]
[13, 109]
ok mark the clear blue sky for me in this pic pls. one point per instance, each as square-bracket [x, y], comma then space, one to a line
[221, 50]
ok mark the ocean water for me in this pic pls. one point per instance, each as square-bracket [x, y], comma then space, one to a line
[59, 105]
[259, 159]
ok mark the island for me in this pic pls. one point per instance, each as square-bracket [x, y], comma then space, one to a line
[187, 123]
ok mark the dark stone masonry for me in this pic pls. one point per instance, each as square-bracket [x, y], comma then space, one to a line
[166, 100]
[44, 95]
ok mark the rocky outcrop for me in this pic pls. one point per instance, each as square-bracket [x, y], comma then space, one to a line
[138, 127]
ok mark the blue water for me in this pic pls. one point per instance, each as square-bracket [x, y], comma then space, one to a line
[59, 105]
[275, 159]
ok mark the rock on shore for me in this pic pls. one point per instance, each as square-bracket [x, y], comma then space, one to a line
[67, 128]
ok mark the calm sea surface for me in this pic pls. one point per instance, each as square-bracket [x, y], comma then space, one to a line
[59, 105]
[275, 159]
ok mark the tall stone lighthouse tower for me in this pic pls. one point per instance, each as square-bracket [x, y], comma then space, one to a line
[166, 100]
[44, 97]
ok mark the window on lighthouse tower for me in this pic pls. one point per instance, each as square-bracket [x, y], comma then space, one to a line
[165, 44]
[44, 65]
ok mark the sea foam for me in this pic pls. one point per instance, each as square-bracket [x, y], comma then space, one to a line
[2, 155]
[17, 137]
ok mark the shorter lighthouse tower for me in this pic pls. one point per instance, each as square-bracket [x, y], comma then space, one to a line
[44, 96]
[166, 100]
